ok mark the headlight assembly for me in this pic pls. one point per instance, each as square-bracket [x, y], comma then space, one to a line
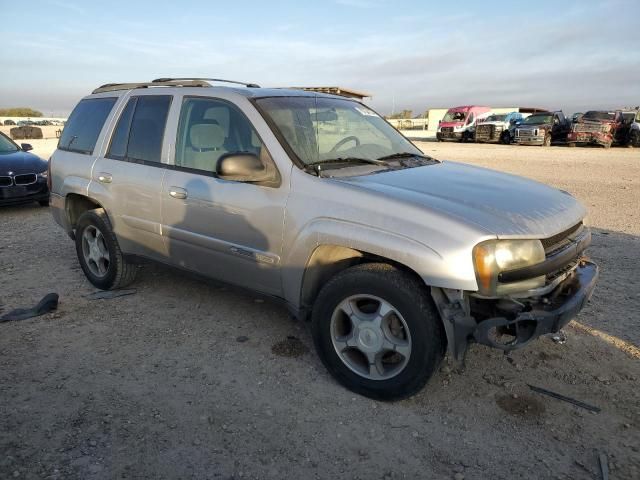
[495, 256]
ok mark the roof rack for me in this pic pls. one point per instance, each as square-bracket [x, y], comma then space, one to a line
[248, 85]
[168, 82]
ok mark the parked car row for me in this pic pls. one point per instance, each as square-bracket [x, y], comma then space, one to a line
[38, 123]
[595, 127]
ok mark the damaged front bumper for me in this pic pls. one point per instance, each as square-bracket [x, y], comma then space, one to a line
[515, 328]
[590, 138]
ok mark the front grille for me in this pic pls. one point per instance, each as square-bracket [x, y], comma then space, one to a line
[5, 181]
[25, 179]
[557, 242]
[447, 129]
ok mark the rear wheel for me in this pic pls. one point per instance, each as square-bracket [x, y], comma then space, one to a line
[378, 332]
[99, 253]
[607, 145]
[634, 138]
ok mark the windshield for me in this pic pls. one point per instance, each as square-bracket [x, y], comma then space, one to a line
[454, 116]
[593, 115]
[319, 129]
[7, 145]
[496, 118]
[538, 119]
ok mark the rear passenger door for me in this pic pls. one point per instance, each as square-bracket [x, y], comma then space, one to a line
[127, 179]
[223, 229]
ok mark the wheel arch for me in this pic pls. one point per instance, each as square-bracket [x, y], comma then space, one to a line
[75, 205]
[330, 254]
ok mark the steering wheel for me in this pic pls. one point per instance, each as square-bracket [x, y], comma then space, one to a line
[345, 140]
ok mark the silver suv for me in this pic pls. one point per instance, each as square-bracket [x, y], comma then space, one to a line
[317, 201]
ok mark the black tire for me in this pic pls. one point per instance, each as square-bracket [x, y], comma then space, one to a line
[43, 203]
[505, 137]
[634, 138]
[547, 140]
[119, 272]
[411, 299]
[571, 144]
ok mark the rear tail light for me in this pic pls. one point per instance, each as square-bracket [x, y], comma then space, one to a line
[49, 173]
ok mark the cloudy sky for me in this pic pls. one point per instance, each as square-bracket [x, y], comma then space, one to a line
[408, 54]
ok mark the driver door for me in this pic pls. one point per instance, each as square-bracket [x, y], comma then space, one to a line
[222, 229]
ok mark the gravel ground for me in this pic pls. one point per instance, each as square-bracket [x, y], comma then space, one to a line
[191, 379]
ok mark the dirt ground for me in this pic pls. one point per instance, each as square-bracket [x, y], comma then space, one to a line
[189, 379]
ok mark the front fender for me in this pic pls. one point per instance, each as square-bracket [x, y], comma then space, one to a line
[454, 271]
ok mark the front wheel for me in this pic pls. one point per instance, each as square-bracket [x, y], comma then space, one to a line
[505, 138]
[547, 140]
[99, 254]
[378, 332]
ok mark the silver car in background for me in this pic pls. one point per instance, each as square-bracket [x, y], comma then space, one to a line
[315, 200]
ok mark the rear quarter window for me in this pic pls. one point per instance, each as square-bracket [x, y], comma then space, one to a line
[81, 131]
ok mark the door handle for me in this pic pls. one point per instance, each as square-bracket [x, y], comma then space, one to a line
[177, 192]
[104, 177]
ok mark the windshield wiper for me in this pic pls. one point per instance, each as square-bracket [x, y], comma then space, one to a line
[317, 166]
[394, 156]
[350, 160]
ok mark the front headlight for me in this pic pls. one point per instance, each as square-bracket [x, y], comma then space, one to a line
[495, 256]
[44, 174]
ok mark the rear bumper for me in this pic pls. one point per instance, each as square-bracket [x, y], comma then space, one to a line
[57, 209]
[548, 315]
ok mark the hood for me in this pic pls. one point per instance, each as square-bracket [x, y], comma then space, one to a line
[534, 125]
[502, 204]
[21, 162]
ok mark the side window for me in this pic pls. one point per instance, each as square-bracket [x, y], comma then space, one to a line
[212, 128]
[471, 118]
[140, 129]
[120, 138]
[81, 131]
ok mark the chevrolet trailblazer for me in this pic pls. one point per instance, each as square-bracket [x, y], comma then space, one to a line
[316, 201]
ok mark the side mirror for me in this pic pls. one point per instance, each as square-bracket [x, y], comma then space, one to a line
[242, 167]
[26, 147]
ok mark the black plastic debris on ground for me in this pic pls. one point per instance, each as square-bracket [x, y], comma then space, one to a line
[48, 304]
[109, 294]
[558, 396]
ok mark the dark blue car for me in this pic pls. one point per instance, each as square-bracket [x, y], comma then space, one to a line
[23, 175]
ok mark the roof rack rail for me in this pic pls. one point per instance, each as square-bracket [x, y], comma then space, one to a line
[110, 87]
[248, 85]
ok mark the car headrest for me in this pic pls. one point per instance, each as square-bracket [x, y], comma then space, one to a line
[206, 136]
